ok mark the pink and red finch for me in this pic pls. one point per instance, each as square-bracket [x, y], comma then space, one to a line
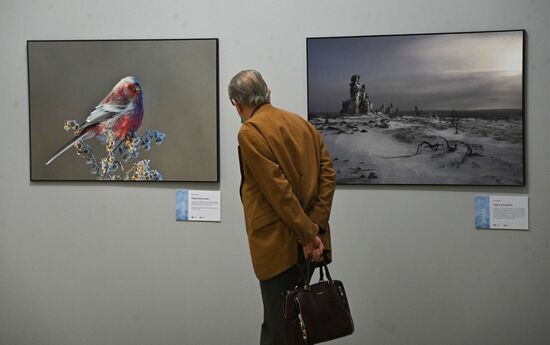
[121, 110]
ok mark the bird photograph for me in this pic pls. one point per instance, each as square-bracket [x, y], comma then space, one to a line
[120, 111]
[123, 110]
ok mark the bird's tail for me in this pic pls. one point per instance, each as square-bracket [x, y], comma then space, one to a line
[64, 148]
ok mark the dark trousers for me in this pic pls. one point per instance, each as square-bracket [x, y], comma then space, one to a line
[273, 327]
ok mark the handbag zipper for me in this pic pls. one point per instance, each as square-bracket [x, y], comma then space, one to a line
[302, 323]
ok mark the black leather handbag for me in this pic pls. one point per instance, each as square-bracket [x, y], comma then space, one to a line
[318, 312]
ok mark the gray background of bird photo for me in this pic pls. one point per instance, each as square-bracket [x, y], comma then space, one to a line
[67, 79]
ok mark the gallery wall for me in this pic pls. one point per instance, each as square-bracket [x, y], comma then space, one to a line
[89, 263]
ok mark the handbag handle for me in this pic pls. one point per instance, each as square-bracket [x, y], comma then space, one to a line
[310, 269]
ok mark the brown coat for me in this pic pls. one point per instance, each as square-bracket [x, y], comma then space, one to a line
[287, 186]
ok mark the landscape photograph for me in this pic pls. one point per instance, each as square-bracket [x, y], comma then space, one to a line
[441, 109]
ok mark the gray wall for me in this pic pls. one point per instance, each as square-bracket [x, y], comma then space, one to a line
[107, 264]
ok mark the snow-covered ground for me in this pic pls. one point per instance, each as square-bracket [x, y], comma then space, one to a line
[483, 152]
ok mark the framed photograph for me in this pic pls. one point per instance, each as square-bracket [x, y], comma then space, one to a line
[421, 109]
[124, 110]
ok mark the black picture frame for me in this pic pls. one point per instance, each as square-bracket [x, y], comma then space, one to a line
[180, 82]
[392, 156]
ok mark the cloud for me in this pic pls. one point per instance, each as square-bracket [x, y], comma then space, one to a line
[456, 90]
[462, 71]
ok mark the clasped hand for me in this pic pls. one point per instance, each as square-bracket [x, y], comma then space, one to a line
[314, 251]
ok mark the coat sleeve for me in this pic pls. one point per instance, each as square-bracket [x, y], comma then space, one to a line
[274, 185]
[319, 211]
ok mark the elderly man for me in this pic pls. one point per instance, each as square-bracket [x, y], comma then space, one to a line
[286, 189]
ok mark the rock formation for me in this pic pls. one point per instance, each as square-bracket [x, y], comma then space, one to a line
[358, 101]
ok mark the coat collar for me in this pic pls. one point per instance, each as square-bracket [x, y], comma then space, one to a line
[260, 108]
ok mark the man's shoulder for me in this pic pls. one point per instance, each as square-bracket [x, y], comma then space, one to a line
[271, 121]
[273, 115]
[246, 130]
[251, 131]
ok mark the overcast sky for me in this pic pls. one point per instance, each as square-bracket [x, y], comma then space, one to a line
[446, 71]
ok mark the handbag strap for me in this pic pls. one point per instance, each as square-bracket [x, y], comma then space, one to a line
[310, 269]
[327, 272]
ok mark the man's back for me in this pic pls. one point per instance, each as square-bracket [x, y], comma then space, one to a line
[286, 169]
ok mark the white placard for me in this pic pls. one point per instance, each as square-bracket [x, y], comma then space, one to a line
[502, 212]
[198, 205]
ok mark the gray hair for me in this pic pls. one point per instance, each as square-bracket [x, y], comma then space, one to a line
[249, 88]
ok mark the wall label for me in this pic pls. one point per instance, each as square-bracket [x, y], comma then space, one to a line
[501, 212]
[198, 205]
